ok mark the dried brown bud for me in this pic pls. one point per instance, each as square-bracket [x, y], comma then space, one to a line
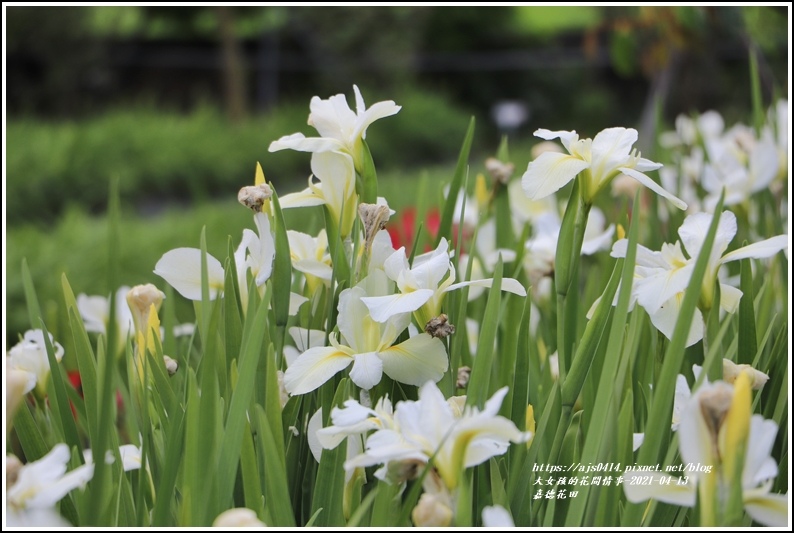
[439, 327]
[464, 373]
[374, 217]
[140, 300]
[499, 171]
[254, 196]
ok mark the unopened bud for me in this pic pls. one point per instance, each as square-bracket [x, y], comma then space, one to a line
[283, 395]
[170, 365]
[464, 373]
[730, 371]
[432, 511]
[439, 327]
[714, 405]
[140, 300]
[238, 517]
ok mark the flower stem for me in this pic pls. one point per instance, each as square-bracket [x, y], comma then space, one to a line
[569, 251]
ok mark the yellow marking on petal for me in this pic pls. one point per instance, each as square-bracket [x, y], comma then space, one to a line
[152, 329]
[621, 232]
[481, 191]
[259, 176]
[530, 422]
[737, 427]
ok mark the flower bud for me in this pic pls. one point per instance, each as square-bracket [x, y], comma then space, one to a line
[140, 299]
[731, 371]
[170, 365]
[432, 511]
[238, 517]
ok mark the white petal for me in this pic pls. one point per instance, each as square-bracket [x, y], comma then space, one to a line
[637, 440]
[729, 298]
[367, 370]
[419, 359]
[764, 164]
[295, 302]
[307, 338]
[316, 424]
[508, 284]
[305, 198]
[376, 112]
[663, 487]
[297, 141]
[654, 290]
[313, 368]
[496, 516]
[665, 318]
[549, 173]
[381, 308]
[768, 509]
[611, 148]
[181, 268]
[567, 137]
[655, 187]
[314, 268]
[759, 250]
[695, 228]
[336, 171]
[94, 311]
[759, 465]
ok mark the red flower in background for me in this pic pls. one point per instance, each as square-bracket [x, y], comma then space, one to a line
[77, 383]
[403, 231]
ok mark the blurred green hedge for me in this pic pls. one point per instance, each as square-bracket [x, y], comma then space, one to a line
[162, 157]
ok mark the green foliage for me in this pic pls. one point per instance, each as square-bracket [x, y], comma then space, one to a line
[166, 157]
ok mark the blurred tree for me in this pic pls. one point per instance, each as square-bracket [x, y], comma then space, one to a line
[52, 67]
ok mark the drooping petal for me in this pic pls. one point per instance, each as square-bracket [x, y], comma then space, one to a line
[508, 284]
[655, 187]
[759, 465]
[666, 316]
[312, 429]
[378, 111]
[416, 361]
[758, 250]
[297, 141]
[566, 137]
[729, 297]
[663, 487]
[381, 308]
[767, 509]
[307, 338]
[181, 268]
[313, 368]
[549, 173]
[367, 370]
[306, 198]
